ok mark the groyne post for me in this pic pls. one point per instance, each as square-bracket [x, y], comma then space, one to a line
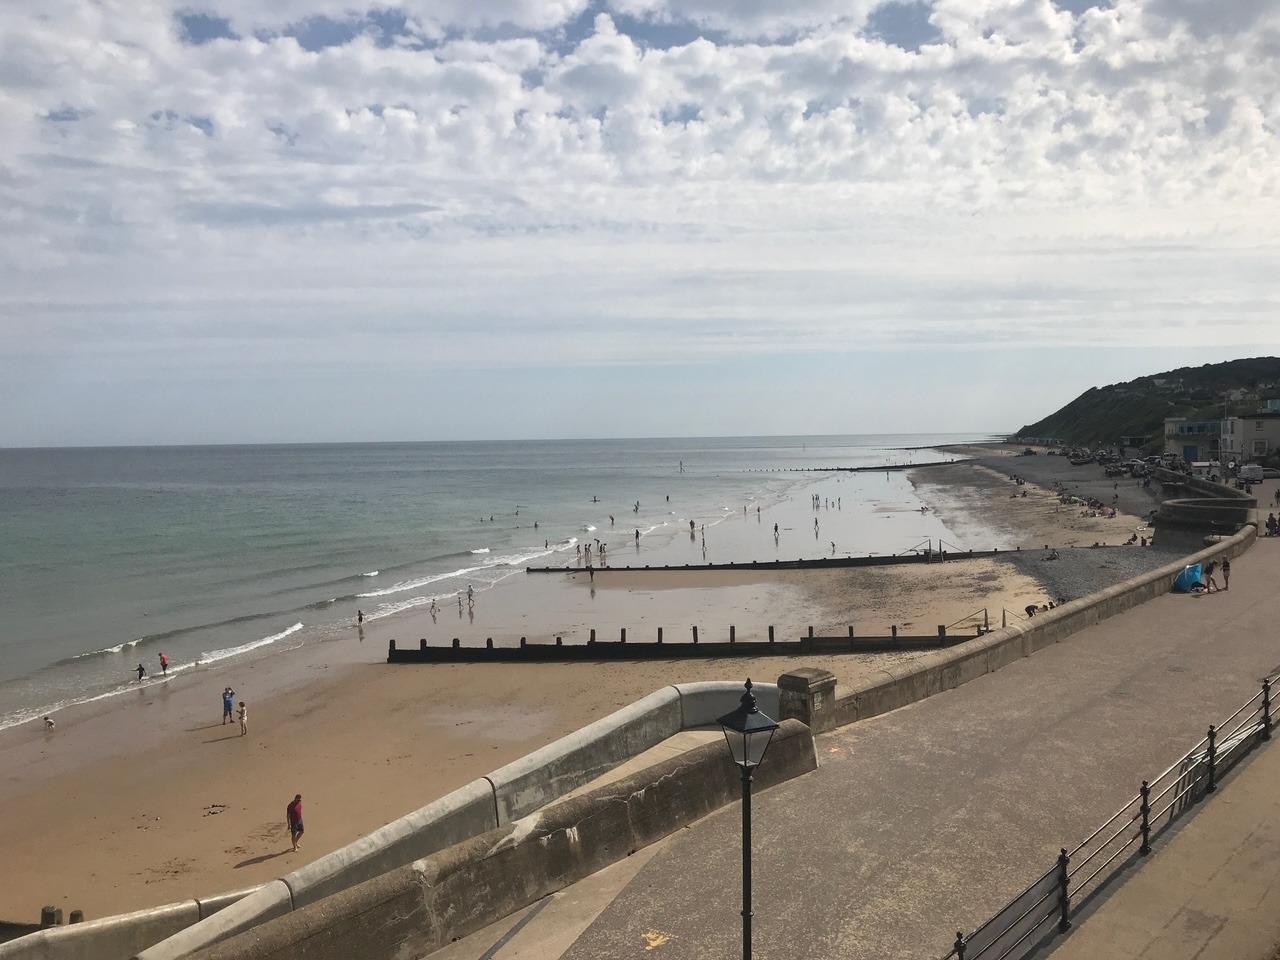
[391, 648]
[695, 634]
[593, 636]
[942, 630]
[733, 635]
[659, 634]
[623, 638]
[422, 644]
[50, 917]
[771, 633]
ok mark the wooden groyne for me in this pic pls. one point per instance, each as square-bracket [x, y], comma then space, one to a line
[621, 649]
[882, 468]
[817, 563]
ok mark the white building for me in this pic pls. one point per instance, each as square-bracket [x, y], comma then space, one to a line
[1250, 439]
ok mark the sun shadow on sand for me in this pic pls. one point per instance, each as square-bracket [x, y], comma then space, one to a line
[262, 859]
[234, 736]
[207, 726]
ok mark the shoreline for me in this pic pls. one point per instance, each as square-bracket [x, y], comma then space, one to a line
[146, 798]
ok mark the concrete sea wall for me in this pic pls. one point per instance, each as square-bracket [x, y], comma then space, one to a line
[493, 801]
[925, 676]
[419, 908]
[118, 937]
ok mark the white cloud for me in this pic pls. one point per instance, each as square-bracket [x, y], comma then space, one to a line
[503, 192]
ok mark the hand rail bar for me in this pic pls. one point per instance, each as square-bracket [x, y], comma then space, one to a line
[1102, 846]
[1022, 916]
[1114, 817]
[1102, 866]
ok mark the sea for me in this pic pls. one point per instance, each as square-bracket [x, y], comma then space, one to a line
[112, 555]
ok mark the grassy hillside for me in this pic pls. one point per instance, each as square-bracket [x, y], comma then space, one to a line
[1102, 415]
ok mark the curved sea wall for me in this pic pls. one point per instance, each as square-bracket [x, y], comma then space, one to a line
[416, 909]
[494, 801]
[925, 676]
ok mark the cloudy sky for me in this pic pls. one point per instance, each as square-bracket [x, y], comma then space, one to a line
[300, 220]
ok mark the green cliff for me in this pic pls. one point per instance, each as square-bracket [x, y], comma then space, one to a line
[1102, 415]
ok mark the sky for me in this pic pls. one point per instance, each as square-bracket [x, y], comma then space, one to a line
[319, 220]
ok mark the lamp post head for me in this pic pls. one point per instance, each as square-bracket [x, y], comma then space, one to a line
[747, 731]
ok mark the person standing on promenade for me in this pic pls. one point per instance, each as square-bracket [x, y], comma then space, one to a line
[1226, 573]
[243, 714]
[1209, 582]
[228, 703]
[293, 816]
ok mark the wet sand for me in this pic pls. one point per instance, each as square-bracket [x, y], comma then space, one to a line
[147, 798]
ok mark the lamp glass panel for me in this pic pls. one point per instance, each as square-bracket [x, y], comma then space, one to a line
[757, 744]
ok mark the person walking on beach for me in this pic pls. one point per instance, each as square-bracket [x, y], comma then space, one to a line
[228, 703]
[243, 714]
[359, 618]
[164, 664]
[142, 673]
[1226, 573]
[637, 538]
[293, 816]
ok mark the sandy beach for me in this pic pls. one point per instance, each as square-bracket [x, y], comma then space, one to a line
[148, 798]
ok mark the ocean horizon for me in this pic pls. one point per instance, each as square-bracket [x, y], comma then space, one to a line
[112, 555]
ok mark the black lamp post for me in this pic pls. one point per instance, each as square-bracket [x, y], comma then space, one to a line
[748, 732]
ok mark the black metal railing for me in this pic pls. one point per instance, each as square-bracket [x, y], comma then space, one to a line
[1045, 908]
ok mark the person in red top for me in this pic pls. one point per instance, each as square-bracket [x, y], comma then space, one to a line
[164, 664]
[293, 814]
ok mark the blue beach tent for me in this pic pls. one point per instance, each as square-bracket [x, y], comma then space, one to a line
[1188, 579]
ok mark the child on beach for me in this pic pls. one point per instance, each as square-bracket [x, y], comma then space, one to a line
[142, 673]
[243, 714]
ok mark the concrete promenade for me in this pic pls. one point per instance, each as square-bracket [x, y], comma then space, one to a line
[926, 820]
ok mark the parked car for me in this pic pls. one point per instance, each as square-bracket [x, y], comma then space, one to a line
[1271, 473]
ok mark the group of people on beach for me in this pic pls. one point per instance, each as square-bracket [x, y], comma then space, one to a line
[242, 714]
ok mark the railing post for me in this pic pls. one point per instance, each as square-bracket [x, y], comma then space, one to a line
[1146, 818]
[1064, 894]
[959, 946]
[1213, 759]
[1266, 709]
